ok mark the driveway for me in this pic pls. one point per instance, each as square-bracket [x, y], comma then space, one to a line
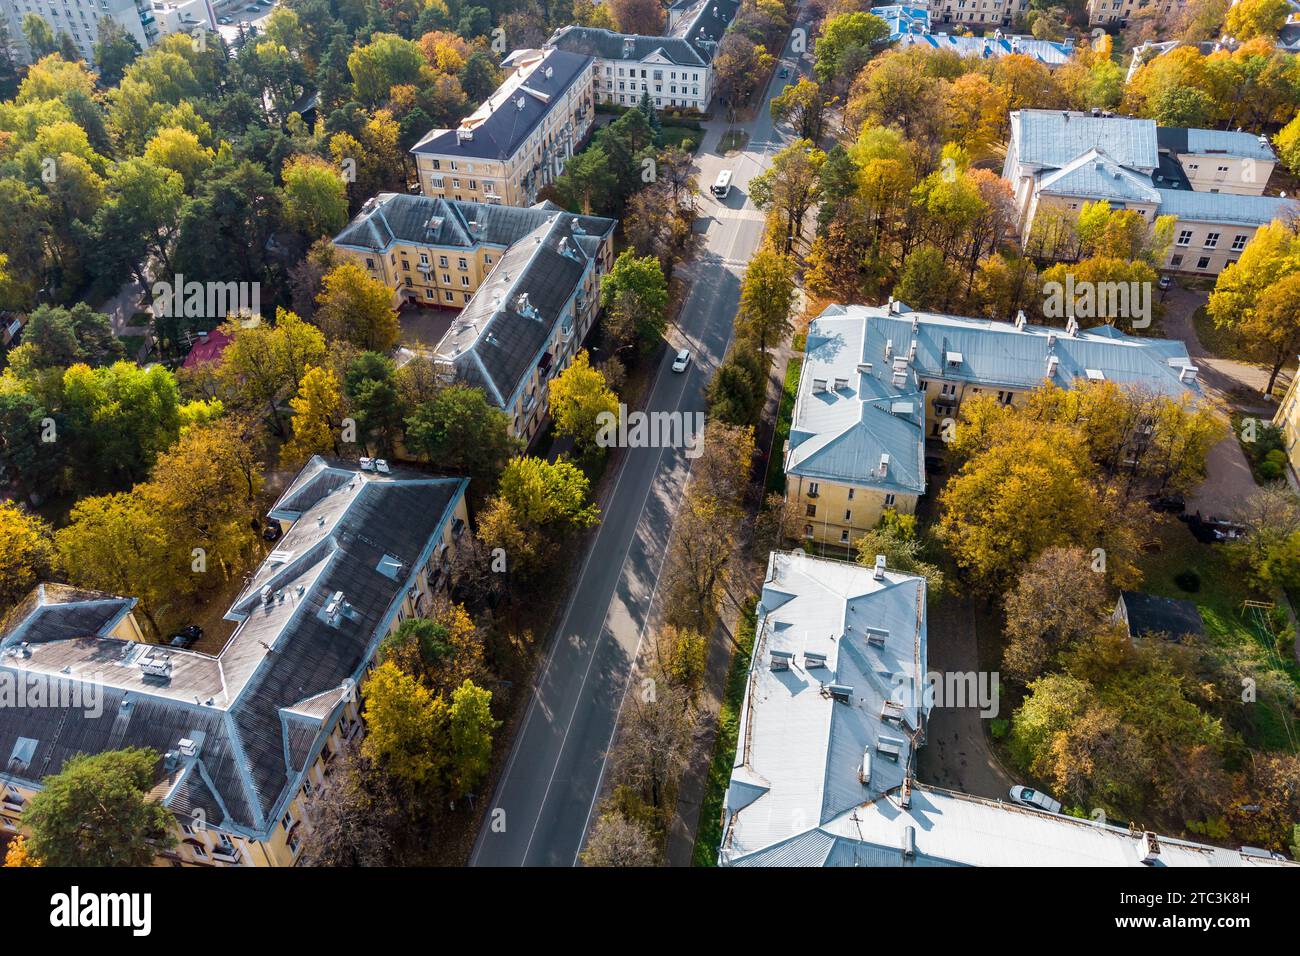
[1233, 386]
[957, 753]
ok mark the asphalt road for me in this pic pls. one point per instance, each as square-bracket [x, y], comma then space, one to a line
[545, 798]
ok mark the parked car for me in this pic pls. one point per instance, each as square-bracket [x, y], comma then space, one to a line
[682, 360]
[186, 636]
[272, 530]
[783, 73]
[224, 21]
[1034, 798]
[252, 8]
[1165, 282]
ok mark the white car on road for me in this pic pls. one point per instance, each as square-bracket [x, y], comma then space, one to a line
[1034, 798]
[682, 360]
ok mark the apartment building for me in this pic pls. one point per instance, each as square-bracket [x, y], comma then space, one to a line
[1116, 13]
[525, 324]
[436, 251]
[1211, 181]
[836, 707]
[911, 26]
[1288, 419]
[675, 71]
[878, 382]
[247, 734]
[976, 13]
[147, 21]
[519, 139]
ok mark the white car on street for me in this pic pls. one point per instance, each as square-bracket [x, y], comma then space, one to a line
[682, 360]
[1034, 798]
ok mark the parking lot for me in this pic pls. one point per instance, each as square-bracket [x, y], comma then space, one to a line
[231, 13]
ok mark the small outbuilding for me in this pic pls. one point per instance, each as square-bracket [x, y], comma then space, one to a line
[1143, 614]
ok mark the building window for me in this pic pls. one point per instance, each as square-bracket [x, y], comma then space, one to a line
[848, 516]
[851, 490]
[1185, 237]
[1211, 240]
[807, 531]
[1176, 261]
[1203, 262]
[1238, 243]
[462, 264]
[889, 500]
[812, 488]
[810, 511]
[844, 537]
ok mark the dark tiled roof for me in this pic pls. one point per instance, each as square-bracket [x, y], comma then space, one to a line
[704, 30]
[284, 653]
[496, 339]
[1151, 614]
[434, 221]
[52, 612]
[608, 45]
[513, 117]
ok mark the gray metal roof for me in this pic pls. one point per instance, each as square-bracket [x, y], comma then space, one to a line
[1094, 175]
[512, 112]
[704, 28]
[1227, 208]
[434, 221]
[843, 425]
[800, 749]
[943, 828]
[1185, 139]
[1053, 138]
[998, 353]
[257, 708]
[608, 45]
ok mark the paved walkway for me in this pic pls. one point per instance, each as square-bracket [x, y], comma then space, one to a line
[1235, 386]
[957, 754]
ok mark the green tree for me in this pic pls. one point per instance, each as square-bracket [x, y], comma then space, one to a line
[472, 727]
[355, 308]
[26, 553]
[580, 397]
[121, 417]
[460, 431]
[766, 299]
[376, 401]
[406, 726]
[386, 61]
[315, 196]
[97, 811]
[635, 293]
[548, 494]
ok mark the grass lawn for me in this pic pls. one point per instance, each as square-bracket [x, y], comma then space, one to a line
[1223, 343]
[708, 834]
[680, 136]
[1233, 633]
[733, 140]
[789, 391]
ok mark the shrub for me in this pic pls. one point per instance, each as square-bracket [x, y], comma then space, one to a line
[1188, 581]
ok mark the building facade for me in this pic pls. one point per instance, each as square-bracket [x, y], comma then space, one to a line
[147, 21]
[525, 324]
[1288, 420]
[247, 734]
[519, 139]
[1211, 181]
[879, 382]
[675, 70]
[1116, 13]
[435, 251]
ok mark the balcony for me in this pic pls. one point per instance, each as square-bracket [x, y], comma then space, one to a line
[227, 854]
